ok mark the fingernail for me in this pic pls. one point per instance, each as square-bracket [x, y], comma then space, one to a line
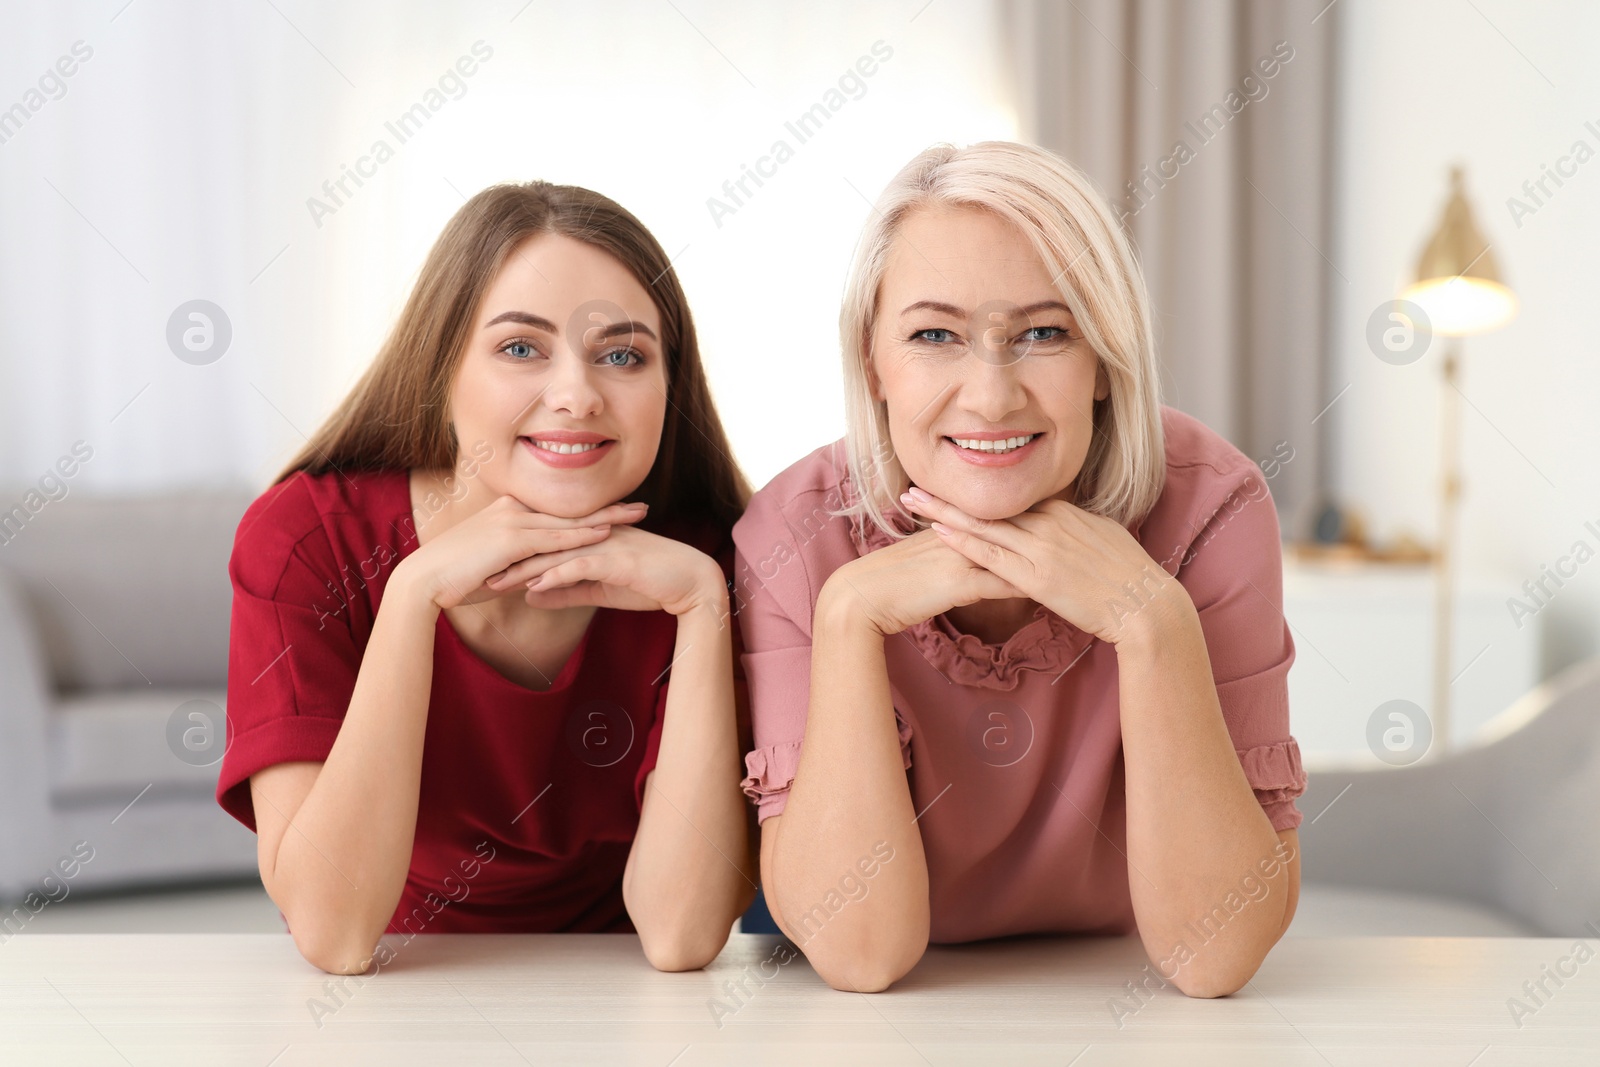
[941, 529]
[918, 495]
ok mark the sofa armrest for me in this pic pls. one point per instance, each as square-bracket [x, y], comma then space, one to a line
[26, 697]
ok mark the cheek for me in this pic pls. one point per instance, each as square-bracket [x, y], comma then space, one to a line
[1084, 377]
[913, 406]
[917, 403]
[1064, 391]
[647, 400]
[913, 447]
[478, 404]
[910, 390]
[640, 409]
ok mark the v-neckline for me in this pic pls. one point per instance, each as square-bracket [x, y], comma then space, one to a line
[569, 670]
[564, 677]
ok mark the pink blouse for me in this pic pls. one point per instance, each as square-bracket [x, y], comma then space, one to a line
[1014, 751]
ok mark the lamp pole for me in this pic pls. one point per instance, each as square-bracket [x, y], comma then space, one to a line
[1444, 557]
[1459, 288]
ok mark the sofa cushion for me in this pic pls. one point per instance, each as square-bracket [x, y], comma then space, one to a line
[130, 591]
[105, 746]
[1330, 910]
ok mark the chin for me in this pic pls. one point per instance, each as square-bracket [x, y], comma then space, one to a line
[569, 494]
[995, 512]
[568, 504]
[986, 505]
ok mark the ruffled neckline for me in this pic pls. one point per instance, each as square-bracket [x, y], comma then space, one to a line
[1046, 643]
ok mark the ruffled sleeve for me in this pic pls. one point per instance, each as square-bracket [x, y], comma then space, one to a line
[1277, 778]
[777, 579]
[780, 687]
[769, 772]
[770, 769]
[1233, 573]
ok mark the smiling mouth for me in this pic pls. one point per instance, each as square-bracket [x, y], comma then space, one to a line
[562, 449]
[997, 448]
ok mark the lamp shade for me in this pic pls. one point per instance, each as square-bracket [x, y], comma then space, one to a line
[1458, 280]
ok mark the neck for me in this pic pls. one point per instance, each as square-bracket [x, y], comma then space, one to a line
[442, 499]
[993, 621]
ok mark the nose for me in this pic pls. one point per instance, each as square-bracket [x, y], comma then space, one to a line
[570, 388]
[992, 391]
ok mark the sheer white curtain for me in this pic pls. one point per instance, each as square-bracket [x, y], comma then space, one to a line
[1209, 123]
[180, 161]
[152, 175]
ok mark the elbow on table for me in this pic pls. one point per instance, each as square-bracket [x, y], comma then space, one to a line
[332, 949]
[1204, 983]
[684, 949]
[868, 969]
[1219, 974]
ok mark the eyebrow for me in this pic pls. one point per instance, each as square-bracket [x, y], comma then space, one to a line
[955, 312]
[619, 328]
[537, 323]
[524, 317]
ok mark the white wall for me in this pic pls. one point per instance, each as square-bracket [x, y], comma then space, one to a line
[1504, 89]
[178, 162]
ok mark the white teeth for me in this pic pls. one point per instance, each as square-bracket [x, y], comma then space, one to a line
[1002, 446]
[562, 449]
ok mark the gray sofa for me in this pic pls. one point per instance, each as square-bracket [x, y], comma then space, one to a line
[113, 672]
[1505, 824]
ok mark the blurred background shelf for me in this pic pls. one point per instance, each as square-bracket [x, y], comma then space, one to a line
[1363, 635]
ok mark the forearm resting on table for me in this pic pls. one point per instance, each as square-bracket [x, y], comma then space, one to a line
[1212, 883]
[689, 874]
[849, 802]
[334, 856]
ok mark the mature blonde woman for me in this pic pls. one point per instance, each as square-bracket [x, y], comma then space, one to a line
[1014, 645]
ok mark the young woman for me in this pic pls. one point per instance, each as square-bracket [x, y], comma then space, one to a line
[481, 667]
[1014, 645]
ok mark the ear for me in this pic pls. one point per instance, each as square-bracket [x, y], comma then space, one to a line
[1102, 382]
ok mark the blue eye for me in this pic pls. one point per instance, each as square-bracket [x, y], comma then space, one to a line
[631, 357]
[517, 343]
[1051, 333]
[926, 335]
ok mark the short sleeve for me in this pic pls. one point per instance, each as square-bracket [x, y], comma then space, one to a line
[1233, 573]
[293, 656]
[775, 603]
[652, 748]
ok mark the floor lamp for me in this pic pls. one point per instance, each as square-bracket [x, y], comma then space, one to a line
[1459, 289]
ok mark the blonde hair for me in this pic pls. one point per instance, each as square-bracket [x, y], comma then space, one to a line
[1081, 243]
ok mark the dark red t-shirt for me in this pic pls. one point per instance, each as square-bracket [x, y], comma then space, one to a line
[529, 799]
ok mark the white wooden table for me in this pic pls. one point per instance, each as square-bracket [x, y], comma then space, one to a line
[249, 999]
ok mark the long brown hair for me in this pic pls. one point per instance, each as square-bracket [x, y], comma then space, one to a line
[397, 414]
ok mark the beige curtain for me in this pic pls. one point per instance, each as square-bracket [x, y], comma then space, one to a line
[1209, 124]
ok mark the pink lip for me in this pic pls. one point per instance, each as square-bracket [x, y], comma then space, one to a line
[991, 435]
[570, 459]
[989, 459]
[569, 437]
